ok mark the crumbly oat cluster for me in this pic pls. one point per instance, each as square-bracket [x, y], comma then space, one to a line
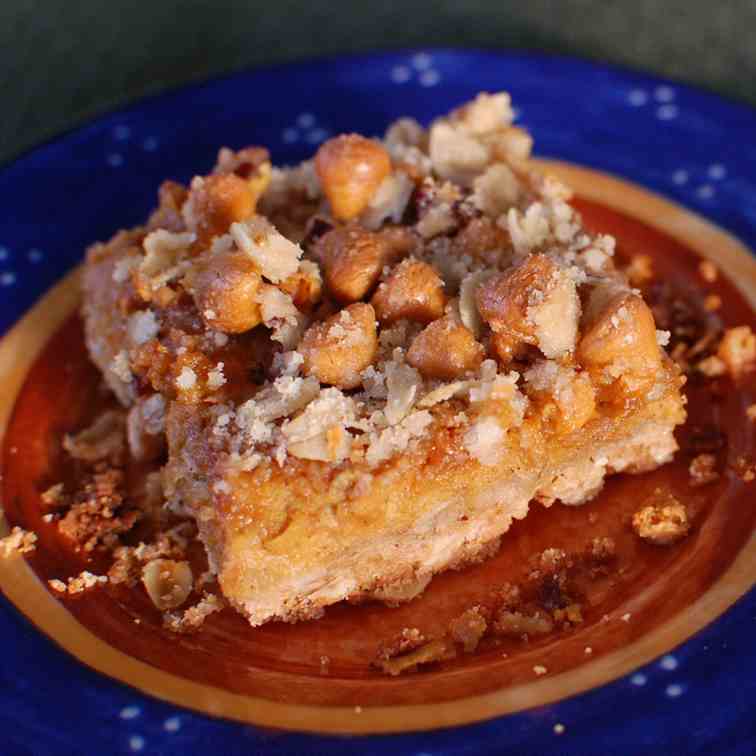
[344, 308]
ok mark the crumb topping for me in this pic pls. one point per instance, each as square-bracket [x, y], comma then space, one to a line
[393, 280]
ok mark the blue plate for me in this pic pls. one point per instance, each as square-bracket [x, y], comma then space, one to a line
[693, 147]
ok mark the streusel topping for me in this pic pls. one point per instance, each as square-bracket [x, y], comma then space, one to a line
[343, 308]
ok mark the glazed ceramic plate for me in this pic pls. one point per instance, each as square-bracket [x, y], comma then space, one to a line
[657, 691]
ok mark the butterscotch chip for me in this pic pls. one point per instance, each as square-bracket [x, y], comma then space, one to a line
[535, 302]
[413, 291]
[215, 202]
[482, 239]
[469, 628]
[351, 168]
[445, 349]
[337, 350]
[619, 343]
[352, 259]
[225, 292]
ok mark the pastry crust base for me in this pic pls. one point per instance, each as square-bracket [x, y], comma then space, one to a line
[287, 542]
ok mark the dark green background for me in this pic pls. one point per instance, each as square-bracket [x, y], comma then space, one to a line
[62, 62]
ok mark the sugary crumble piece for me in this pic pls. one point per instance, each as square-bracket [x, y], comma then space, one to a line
[738, 350]
[469, 628]
[662, 524]
[703, 470]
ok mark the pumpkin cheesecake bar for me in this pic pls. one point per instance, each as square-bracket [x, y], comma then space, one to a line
[365, 367]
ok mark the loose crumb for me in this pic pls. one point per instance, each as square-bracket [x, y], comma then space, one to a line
[194, 617]
[18, 541]
[737, 350]
[712, 367]
[626, 617]
[712, 302]
[469, 628]
[745, 469]
[434, 651]
[662, 523]
[53, 497]
[559, 728]
[703, 470]
[74, 585]
[540, 670]
[708, 271]
[640, 270]
[588, 651]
